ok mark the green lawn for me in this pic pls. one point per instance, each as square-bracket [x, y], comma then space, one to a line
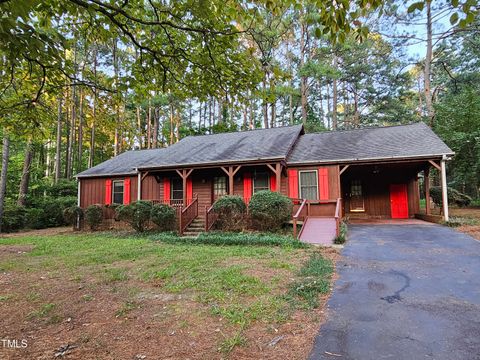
[263, 281]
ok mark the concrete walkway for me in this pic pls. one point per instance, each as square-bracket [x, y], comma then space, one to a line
[404, 292]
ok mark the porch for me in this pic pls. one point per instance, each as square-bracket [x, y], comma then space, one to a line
[390, 190]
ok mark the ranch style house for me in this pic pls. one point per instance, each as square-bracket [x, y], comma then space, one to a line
[362, 173]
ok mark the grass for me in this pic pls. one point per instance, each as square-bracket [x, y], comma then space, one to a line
[456, 221]
[242, 278]
[314, 280]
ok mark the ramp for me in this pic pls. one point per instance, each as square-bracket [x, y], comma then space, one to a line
[319, 230]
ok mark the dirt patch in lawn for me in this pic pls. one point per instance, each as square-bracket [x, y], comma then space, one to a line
[15, 249]
[112, 311]
[473, 214]
[38, 232]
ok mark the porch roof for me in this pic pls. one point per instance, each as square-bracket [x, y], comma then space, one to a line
[383, 143]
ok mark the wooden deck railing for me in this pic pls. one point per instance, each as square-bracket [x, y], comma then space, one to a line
[188, 214]
[302, 213]
[210, 217]
[338, 211]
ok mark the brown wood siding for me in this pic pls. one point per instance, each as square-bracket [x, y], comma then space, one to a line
[92, 190]
[151, 189]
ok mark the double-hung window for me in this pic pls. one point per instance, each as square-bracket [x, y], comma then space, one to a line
[117, 192]
[308, 184]
[177, 189]
[261, 182]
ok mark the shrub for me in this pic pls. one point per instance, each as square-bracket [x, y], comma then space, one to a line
[94, 216]
[73, 215]
[136, 214]
[14, 218]
[232, 239]
[342, 237]
[231, 210]
[48, 212]
[269, 210]
[455, 197]
[163, 216]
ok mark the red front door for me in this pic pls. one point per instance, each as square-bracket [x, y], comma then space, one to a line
[399, 201]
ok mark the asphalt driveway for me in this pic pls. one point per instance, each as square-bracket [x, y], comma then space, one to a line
[404, 292]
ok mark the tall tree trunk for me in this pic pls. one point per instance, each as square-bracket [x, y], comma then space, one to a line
[428, 62]
[210, 115]
[25, 179]
[91, 155]
[156, 116]
[117, 99]
[139, 127]
[303, 80]
[220, 110]
[171, 123]
[80, 133]
[356, 116]
[273, 114]
[3, 175]
[149, 126]
[58, 143]
[73, 122]
[335, 97]
[68, 135]
[265, 104]
[329, 109]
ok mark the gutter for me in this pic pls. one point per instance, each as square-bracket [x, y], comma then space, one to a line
[358, 160]
[213, 163]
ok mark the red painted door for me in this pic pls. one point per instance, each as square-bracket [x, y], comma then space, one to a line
[399, 201]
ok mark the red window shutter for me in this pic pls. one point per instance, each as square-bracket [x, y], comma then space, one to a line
[166, 190]
[126, 191]
[108, 192]
[293, 184]
[247, 187]
[189, 190]
[273, 183]
[323, 183]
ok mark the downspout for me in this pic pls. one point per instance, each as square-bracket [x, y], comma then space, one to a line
[78, 192]
[444, 188]
[139, 185]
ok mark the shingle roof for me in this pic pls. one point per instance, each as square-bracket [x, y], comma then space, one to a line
[403, 141]
[253, 145]
[123, 164]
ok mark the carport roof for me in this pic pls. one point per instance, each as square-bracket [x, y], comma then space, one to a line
[383, 143]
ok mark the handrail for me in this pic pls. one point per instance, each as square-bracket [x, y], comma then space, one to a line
[337, 215]
[210, 217]
[190, 212]
[297, 215]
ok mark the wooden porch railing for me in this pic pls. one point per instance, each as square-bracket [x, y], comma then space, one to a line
[302, 213]
[188, 214]
[338, 208]
[210, 217]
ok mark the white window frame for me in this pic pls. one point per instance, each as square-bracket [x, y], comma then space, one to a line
[300, 182]
[113, 190]
[255, 178]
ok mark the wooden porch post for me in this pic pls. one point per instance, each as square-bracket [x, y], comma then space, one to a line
[139, 186]
[184, 174]
[426, 186]
[231, 171]
[277, 170]
[444, 189]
